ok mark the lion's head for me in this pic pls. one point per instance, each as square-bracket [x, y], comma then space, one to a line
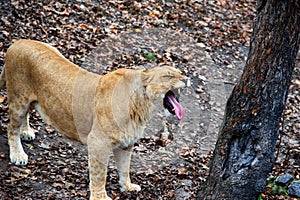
[160, 83]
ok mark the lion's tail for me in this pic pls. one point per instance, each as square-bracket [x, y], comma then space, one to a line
[2, 79]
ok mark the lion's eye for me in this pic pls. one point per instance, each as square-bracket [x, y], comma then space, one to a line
[168, 76]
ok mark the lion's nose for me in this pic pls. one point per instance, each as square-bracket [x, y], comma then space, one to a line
[187, 81]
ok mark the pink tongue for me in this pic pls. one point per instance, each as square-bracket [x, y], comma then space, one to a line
[179, 112]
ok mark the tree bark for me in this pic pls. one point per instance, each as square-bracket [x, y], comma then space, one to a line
[244, 152]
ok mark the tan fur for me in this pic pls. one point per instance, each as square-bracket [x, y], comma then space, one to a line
[108, 113]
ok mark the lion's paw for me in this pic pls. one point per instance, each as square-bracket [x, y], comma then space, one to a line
[130, 187]
[19, 158]
[28, 135]
[107, 198]
[101, 198]
[99, 195]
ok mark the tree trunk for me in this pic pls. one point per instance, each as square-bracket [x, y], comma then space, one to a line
[244, 152]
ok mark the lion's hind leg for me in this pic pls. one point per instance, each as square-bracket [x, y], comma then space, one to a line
[18, 109]
[27, 132]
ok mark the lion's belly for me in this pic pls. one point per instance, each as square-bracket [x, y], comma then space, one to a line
[61, 122]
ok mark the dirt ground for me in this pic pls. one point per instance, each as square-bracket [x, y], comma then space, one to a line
[208, 40]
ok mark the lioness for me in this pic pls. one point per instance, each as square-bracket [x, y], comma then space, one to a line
[108, 113]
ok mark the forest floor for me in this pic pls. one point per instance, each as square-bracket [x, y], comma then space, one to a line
[208, 40]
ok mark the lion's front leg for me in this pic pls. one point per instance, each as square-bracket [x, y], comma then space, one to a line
[99, 152]
[123, 157]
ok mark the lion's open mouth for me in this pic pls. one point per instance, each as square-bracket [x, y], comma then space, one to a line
[171, 103]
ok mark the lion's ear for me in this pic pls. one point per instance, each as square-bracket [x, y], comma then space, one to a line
[146, 77]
